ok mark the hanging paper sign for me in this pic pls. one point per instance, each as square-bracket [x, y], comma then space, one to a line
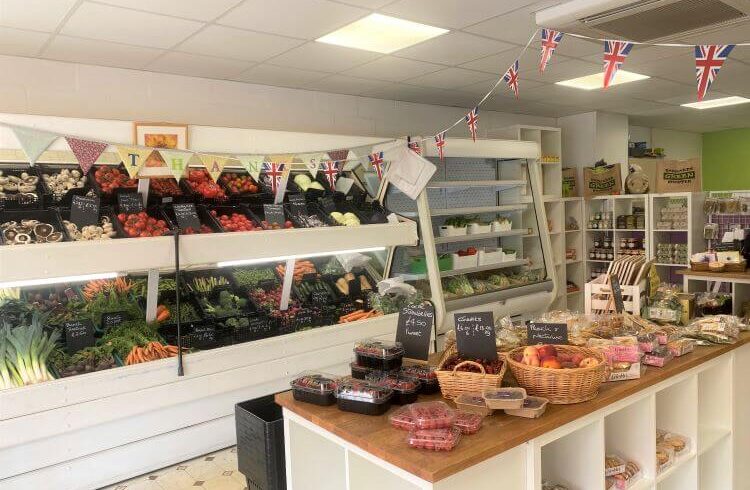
[133, 158]
[274, 172]
[414, 330]
[312, 161]
[187, 216]
[377, 162]
[331, 171]
[130, 202]
[86, 152]
[177, 161]
[615, 53]
[338, 155]
[546, 333]
[79, 334]
[408, 171]
[33, 142]
[550, 40]
[214, 165]
[472, 121]
[475, 335]
[708, 61]
[253, 164]
[280, 158]
[84, 211]
[511, 79]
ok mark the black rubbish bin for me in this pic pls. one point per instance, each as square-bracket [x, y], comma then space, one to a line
[260, 443]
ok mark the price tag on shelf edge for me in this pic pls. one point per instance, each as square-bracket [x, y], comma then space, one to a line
[617, 293]
[414, 330]
[187, 216]
[475, 335]
[79, 334]
[130, 202]
[274, 214]
[84, 211]
[546, 333]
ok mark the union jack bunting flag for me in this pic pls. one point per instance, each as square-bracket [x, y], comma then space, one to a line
[511, 77]
[472, 119]
[615, 53]
[414, 145]
[376, 160]
[331, 170]
[708, 61]
[550, 40]
[440, 143]
[274, 171]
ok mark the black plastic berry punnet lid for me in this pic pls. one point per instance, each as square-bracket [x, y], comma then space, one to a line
[380, 349]
[315, 382]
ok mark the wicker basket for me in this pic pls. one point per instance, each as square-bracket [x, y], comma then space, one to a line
[735, 266]
[561, 386]
[699, 266]
[453, 383]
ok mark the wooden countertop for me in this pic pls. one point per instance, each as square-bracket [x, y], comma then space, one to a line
[499, 432]
[718, 276]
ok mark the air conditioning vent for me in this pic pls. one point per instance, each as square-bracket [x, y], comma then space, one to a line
[663, 20]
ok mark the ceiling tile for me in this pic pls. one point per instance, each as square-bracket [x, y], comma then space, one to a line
[454, 48]
[199, 66]
[66, 48]
[732, 79]
[562, 70]
[500, 62]
[280, 76]
[450, 78]
[228, 42]
[179, 8]
[307, 19]
[324, 57]
[392, 69]
[516, 27]
[652, 89]
[347, 85]
[411, 93]
[367, 4]
[481, 88]
[679, 68]
[18, 42]
[37, 15]
[578, 48]
[107, 23]
[451, 13]
[692, 97]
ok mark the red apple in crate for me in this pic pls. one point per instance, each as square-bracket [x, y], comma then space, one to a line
[564, 357]
[576, 358]
[546, 351]
[551, 363]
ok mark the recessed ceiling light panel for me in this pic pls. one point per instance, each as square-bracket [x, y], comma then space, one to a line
[713, 103]
[595, 81]
[381, 33]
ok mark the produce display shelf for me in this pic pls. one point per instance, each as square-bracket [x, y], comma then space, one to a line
[497, 184]
[503, 294]
[478, 236]
[663, 264]
[482, 268]
[64, 259]
[469, 210]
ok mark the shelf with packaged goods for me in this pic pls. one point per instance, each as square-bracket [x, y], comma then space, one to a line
[18, 263]
[500, 295]
[478, 236]
[468, 270]
[500, 185]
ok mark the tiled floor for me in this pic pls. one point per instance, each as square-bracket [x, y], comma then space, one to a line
[215, 471]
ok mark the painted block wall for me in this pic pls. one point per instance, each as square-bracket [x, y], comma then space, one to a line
[726, 160]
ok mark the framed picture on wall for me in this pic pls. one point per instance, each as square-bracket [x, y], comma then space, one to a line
[165, 135]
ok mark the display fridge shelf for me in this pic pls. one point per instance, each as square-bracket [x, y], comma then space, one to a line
[487, 298]
[461, 184]
[478, 236]
[486, 267]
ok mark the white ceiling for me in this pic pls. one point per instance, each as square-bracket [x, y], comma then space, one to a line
[272, 43]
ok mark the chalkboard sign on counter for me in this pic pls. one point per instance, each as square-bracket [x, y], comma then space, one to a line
[617, 293]
[113, 319]
[187, 216]
[130, 202]
[274, 214]
[546, 333]
[414, 330]
[84, 211]
[304, 319]
[298, 205]
[79, 334]
[475, 335]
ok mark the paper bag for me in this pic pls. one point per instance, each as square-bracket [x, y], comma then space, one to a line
[678, 175]
[602, 181]
[570, 182]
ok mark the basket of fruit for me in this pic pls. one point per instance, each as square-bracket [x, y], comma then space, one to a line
[457, 375]
[563, 374]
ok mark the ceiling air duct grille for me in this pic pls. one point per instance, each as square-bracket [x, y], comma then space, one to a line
[663, 20]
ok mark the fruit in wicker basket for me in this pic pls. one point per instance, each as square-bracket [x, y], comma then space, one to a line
[545, 351]
[531, 356]
[490, 367]
[551, 363]
[587, 362]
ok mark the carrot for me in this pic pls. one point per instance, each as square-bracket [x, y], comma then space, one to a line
[163, 316]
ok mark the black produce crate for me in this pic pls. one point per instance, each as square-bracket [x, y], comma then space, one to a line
[332, 278]
[310, 194]
[49, 216]
[260, 197]
[196, 335]
[260, 443]
[369, 213]
[260, 327]
[13, 200]
[153, 212]
[109, 198]
[105, 211]
[259, 215]
[187, 276]
[65, 200]
[156, 199]
[266, 284]
[197, 197]
[203, 215]
[312, 210]
[229, 210]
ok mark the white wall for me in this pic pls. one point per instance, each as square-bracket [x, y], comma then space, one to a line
[30, 86]
[678, 145]
[612, 138]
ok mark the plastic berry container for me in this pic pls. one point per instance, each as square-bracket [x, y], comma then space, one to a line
[379, 354]
[404, 390]
[504, 398]
[432, 415]
[401, 419]
[444, 439]
[426, 375]
[362, 372]
[314, 387]
[353, 395]
[467, 422]
[474, 403]
[533, 407]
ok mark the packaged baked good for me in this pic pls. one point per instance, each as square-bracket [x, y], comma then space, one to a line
[628, 476]
[467, 422]
[401, 419]
[314, 387]
[504, 398]
[680, 444]
[664, 457]
[404, 390]
[681, 347]
[647, 342]
[533, 407]
[474, 403]
[426, 375]
[658, 357]
[613, 464]
[353, 395]
[379, 354]
[719, 329]
[548, 485]
[443, 439]
[432, 415]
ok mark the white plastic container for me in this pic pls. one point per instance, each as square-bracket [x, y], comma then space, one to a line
[498, 226]
[509, 257]
[490, 256]
[465, 262]
[451, 230]
[476, 229]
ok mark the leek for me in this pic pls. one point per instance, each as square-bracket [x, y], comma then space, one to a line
[24, 351]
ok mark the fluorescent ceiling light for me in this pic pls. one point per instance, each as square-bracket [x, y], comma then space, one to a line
[56, 280]
[595, 81]
[283, 258]
[381, 34]
[710, 104]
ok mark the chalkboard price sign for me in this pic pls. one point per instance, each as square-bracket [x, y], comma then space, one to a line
[113, 319]
[203, 336]
[414, 330]
[259, 328]
[130, 202]
[617, 293]
[327, 204]
[304, 319]
[79, 334]
[319, 297]
[187, 216]
[84, 211]
[274, 214]
[298, 205]
[475, 335]
[546, 333]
